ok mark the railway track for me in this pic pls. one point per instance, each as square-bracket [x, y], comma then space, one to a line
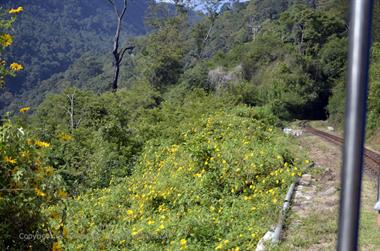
[371, 159]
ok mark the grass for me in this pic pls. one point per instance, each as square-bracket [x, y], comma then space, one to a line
[309, 232]
[369, 232]
[318, 230]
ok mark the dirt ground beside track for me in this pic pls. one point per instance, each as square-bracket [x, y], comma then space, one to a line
[312, 221]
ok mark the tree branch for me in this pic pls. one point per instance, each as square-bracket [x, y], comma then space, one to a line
[124, 9]
[117, 53]
[114, 7]
[129, 48]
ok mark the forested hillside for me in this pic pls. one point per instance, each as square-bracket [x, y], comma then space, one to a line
[53, 34]
[187, 152]
[278, 60]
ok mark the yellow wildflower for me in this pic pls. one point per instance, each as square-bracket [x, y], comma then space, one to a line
[183, 243]
[65, 137]
[134, 233]
[49, 171]
[55, 215]
[62, 194]
[65, 232]
[16, 67]
[219, 247]
[57, 246]
[24, 109]
[130, 212]
[16, 11]
[9, 160]
[42, 144]
[6, 40]
[24, 154]
[39, 192]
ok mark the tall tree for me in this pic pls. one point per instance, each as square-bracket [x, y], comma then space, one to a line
[202, 33]
[162, 59]
[118, 51]
[212, 12]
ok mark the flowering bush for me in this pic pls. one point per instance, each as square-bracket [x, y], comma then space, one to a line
[7, 19]
[219, 188]
[27, 184]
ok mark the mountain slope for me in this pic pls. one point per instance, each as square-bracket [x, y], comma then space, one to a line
[51, 35]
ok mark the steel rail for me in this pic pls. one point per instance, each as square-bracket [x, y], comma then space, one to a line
[372, 159]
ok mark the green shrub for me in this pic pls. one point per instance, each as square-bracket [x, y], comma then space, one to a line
[336, 105]
[28, 184]
[374, 91]
[100, 140]
[216, 183]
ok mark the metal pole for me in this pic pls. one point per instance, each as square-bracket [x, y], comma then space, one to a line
[356, 105]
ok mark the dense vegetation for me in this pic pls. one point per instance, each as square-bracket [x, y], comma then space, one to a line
[52, 35]
[281, 55]
[228, 170]
[336, 106]
[227, 167]
[188, 152]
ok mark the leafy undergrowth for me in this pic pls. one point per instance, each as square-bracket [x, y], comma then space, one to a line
[369, 230]
[219, 187]
[27, 184]
[374, 141]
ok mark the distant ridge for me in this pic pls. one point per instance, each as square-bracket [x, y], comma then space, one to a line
[51, 35]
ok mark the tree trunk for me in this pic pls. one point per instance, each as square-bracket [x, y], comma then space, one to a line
[118, 53]
[116, 77]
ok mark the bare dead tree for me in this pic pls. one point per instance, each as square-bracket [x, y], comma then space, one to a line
[118, 53]
[212, 12]
[70, 110]
[301, 28]
[71, 106]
